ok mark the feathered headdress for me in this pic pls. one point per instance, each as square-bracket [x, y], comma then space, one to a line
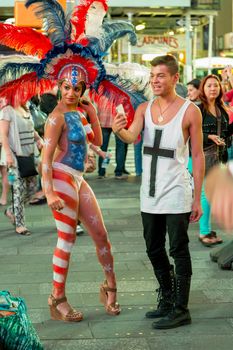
[68, 43]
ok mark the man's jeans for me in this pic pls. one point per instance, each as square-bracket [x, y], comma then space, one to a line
[121, 151]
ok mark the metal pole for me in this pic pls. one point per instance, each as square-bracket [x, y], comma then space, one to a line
[70, 5]
[194, 49]
[210, 42]
[130, 15]
[119, 43]
[188, 39]
[109, 57]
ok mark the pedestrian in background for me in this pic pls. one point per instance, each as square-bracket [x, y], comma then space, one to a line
[194, 91]
[216, 135]
[18, 139]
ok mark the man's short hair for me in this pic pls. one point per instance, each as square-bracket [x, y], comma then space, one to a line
[167, 60]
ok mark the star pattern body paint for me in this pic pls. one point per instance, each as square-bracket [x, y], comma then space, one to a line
[76, 142]
[64, 178]
[71, 188]
[47, 142]
[52, 121]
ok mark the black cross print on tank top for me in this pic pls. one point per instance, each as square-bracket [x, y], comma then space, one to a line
[156, 152]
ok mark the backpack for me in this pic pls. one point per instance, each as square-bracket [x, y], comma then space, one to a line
[16, 329]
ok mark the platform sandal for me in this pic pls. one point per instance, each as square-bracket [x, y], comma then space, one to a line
[72, 315]
[114, 308]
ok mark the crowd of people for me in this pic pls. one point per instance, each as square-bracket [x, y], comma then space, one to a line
[203, 123]
[175, 131]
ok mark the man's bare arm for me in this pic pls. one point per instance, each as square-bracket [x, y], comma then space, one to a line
[196, 139]
[120, 122]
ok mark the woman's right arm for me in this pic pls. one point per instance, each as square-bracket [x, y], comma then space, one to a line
[5, 127]
[53, 131]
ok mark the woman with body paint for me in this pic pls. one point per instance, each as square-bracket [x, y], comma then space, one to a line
[70, 54]
[68, 194]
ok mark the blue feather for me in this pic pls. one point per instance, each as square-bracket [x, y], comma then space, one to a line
[136, 96]
[12, 71]
[57, 25]
[115, 30]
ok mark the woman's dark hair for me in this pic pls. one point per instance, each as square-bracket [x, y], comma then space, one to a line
[195, 82]
[219, 100]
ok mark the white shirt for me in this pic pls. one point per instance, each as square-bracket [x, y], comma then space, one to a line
[166, 183]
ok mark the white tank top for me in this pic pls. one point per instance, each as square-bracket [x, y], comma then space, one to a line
[166, 183]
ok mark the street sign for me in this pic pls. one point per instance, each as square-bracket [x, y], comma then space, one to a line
[182, 22]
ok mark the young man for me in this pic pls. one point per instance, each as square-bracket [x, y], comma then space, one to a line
[169, 121]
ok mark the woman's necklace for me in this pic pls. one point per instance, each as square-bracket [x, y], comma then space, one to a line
[160, 117]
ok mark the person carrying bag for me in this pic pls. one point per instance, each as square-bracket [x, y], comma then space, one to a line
[18, 140]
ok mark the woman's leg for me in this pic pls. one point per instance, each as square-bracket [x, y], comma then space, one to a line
[66, 221]
[207, 236]
[5, 185]
[17, 207]
[90, 215]
[31, 187]
[204, 222]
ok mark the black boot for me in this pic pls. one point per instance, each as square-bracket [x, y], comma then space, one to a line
[179, 315]
[166, 291]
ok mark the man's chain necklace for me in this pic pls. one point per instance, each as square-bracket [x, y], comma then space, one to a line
[160, 117]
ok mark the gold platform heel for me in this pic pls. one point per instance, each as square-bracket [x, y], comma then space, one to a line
[72, 315]
[113, 309]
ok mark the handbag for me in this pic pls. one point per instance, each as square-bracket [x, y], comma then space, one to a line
[26, 166]
[211, 157]
[39, 118]
[211, 153]
[16, 329]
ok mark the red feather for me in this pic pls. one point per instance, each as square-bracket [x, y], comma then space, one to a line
[78, 19]
[23, 39]
[21, 90]
[109, 96]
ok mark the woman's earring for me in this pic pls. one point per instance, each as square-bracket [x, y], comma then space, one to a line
[58, 94]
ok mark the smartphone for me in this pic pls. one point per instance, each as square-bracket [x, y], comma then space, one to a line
[120, 109]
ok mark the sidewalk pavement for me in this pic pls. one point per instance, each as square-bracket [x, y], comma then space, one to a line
[25, 270]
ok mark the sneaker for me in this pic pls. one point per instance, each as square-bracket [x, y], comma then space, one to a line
[101, 177]
[126, 172]
[121, 177]
[79, 230]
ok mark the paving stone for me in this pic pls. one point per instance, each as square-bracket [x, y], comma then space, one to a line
[103, 344]
[26, 270]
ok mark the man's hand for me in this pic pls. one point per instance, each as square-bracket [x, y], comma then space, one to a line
[219, 191]
[119, 122]
[196, 212]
